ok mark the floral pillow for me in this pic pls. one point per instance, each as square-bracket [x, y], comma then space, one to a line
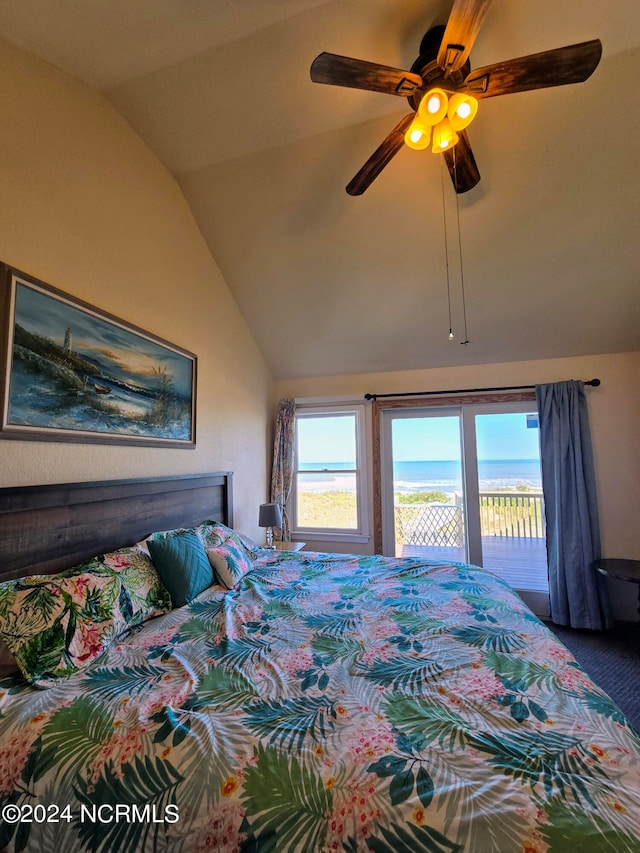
[230, 562]
[214, 533]
[57, 625]
[140, 581]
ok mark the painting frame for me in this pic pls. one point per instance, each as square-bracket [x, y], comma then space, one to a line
[123, 385]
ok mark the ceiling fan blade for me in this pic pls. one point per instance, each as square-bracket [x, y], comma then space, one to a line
[462, 165]
[383, 154]
[461, 32]
[360, 74]
[570, 64]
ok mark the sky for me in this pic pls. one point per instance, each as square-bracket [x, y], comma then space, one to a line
[326, 439]
[498, 436]
[501, 436]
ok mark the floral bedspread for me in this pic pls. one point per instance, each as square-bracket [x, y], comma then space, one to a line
[328, 703]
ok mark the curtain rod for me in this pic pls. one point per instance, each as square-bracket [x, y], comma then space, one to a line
[593, 382]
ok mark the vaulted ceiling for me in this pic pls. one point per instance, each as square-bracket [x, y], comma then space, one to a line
[331, 284]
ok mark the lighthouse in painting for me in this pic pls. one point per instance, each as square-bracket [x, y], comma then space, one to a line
[67, 339]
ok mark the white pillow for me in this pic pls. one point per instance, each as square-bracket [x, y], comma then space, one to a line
[230, 562]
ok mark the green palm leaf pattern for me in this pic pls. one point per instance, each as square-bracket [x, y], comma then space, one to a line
[227, 688]
[286, 804]
[490, 637]
[241, 652]
[279, 610]
[43, 652]
[414, 606]
[405, 672]
[330, 649]
[422, 839]
[7, 597]
[426, 723]
[289, 723]
[603, 705]
[207, 611]
[519, 670]
[417, 620]
[41, 602]
[468, 589]
[148, 782]
[569, 828]
[340, 625]
[73, 737]
[111, 684]
[198, 629]
[558, 761]
[294, 598]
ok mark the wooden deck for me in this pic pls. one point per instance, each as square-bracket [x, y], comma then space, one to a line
[522, 562]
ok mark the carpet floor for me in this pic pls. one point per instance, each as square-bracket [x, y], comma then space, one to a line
[612, 659]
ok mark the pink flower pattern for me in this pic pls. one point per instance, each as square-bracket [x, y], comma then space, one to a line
[255, 696]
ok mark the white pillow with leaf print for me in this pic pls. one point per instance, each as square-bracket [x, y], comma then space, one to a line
[214, 533]
[58, 625]
[230, 562]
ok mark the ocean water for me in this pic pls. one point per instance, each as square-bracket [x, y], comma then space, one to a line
[37, 401]
[446, 476]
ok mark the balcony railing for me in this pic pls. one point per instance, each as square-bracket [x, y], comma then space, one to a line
[440, 525]
[502, 514]
[514, 515]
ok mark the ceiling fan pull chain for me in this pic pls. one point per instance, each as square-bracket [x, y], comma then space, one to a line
[446, 246]
[466, 341]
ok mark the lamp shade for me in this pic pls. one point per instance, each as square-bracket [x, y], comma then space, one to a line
[418, 135]
[444, 137]
[270, 515]
[462, 110]
[433, 107]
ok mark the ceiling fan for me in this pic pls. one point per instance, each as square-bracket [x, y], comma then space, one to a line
[443, 91]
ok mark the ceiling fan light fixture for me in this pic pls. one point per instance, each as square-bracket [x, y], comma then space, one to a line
[444, 137]
[418, 135]
[462, 110]
[433, 106]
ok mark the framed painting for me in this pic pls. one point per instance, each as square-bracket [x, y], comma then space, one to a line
[71, 372]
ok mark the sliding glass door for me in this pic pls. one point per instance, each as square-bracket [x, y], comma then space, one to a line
[510, 498]
[428, 512]
[464, 484]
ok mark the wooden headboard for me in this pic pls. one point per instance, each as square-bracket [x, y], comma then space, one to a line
[44, 529]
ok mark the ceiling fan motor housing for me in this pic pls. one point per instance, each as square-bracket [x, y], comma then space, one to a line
[427, 67]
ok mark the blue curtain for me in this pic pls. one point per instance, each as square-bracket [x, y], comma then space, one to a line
[578, 594]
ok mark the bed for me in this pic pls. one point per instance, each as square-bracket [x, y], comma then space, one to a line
[324, 702]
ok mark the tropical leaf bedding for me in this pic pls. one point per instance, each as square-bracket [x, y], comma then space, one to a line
[327, 702]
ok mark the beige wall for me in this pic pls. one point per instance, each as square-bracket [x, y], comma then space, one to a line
[87, 208]
[614, 410]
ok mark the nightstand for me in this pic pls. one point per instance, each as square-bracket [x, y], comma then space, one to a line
[624, 570]
[289, 546]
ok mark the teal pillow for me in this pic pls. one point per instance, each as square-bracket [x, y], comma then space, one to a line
[182, 564]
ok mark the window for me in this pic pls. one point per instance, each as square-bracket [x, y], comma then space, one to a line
[329, 494]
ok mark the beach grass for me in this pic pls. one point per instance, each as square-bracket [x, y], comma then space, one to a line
[338, 509]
